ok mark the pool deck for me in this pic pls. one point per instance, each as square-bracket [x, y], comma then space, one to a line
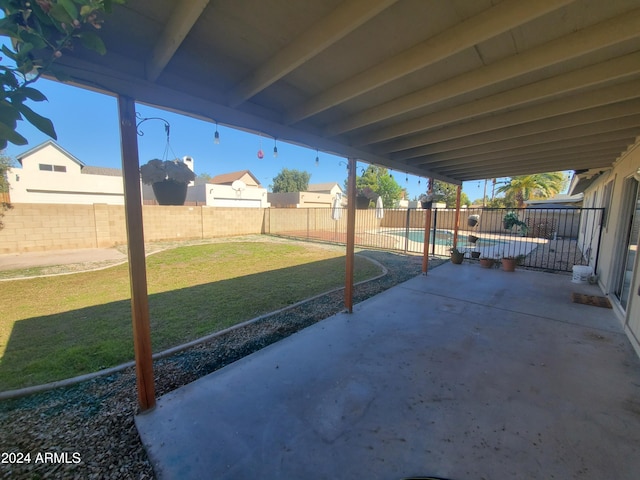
[466, 373]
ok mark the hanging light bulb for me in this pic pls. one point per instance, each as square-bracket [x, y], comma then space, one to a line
[275, 148]
[406, 178]
[216, 136]
[317, 158]
[419, 182]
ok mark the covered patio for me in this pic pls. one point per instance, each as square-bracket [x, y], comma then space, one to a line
[466, 373]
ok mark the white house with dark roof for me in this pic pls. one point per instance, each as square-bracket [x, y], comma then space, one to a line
[235, 189]
[50, 174]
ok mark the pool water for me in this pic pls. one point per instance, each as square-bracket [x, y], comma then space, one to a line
[444, 237]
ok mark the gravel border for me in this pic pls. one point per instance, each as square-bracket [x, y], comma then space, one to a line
[93, 422]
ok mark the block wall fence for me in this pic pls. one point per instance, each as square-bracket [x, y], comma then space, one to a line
[40, 227]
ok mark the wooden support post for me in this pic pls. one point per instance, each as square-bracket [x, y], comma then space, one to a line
[427, 232]
[351, 234]
[135, 242]
[456, 227]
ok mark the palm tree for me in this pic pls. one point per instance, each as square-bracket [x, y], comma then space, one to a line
[540, 185]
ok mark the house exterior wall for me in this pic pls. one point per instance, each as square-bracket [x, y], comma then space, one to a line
[29, 184]
[301, 200]
[608, 189]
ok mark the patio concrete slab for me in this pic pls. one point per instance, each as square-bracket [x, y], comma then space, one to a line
[464, 374]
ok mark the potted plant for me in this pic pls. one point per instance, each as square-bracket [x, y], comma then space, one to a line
[473, 220]
[426, 200]
[456, 256]
[169, 180]
[511, 220]
[364, 197]
[487, 262]
[509, 263]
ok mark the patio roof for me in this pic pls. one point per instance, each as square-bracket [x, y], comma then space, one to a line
[451, 89]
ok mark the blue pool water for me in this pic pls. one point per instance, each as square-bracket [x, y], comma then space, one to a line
[444, 237]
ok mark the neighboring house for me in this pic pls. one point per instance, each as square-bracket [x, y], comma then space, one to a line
[617, 190]
[558, 201]
[332, 188]
[236, 189]
[50, 174]
[317, 195]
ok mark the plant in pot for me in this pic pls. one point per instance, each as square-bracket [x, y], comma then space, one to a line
[511, 220]
[364, 197]
[426, 200]
[509, 263]
[456, 256]
[473, 220]
[487, 262]
[169, 180]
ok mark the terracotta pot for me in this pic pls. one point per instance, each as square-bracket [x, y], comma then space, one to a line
[169, 192]
[509, 264]
[487, 262]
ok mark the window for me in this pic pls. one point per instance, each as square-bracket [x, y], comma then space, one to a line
[52, 168]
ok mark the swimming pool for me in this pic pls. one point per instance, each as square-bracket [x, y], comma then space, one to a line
[445, 237]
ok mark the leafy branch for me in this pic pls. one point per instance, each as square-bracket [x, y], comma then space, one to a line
[39, 32]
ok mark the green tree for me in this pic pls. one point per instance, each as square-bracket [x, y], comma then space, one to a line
[39, 32]
[520, 188]
[382, 183]
[290, 180]
[444, 192]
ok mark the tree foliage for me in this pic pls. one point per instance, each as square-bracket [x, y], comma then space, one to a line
[444, 192]
[39, 32]
[521, 188]
[378, 180]
[290, 180]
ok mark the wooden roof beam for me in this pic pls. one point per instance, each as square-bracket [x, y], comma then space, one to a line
[347, 17]
[182, 19]
[489, 23]
[611, 32]
[622, 67]
[573, 134]
[608, 115]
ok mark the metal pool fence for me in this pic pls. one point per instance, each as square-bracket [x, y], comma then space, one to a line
[553, 239]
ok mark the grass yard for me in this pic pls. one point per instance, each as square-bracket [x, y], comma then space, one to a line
[59, 327]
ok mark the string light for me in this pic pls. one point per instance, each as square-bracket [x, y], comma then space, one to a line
[216, 136]
[317, 158]
[275, 148]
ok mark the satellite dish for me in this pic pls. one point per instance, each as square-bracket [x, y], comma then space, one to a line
[238, 186]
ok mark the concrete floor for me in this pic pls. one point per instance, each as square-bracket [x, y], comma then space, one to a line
[466, 373]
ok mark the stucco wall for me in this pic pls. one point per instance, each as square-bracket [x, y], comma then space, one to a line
[611, 250]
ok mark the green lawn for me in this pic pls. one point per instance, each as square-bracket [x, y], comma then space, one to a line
[58, 327]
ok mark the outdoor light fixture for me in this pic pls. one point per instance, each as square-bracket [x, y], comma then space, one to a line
[406, 178]
[216, 136]
[317, 158]
[275, 148]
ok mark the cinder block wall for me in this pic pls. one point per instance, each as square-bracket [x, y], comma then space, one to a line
[41, 227]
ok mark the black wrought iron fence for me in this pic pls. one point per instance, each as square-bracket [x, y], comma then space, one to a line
[552, 239]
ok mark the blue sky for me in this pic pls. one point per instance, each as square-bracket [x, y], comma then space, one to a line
[87, 126]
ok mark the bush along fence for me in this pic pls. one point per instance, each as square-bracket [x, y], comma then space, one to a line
[552, 239]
